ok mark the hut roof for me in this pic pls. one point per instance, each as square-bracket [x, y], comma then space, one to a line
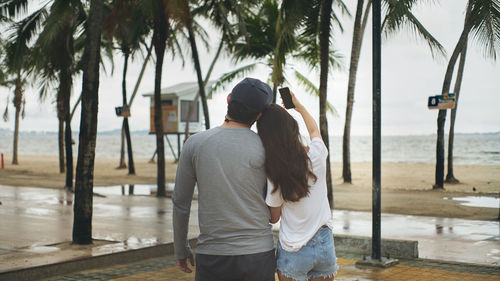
[184, 88]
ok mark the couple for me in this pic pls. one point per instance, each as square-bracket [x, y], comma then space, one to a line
[247, 181]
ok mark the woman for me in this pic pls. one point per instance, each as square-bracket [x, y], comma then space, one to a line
[296, 192]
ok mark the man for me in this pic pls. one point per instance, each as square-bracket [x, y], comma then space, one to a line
[227, 164]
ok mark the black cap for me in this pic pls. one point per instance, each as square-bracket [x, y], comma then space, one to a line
[252, 93]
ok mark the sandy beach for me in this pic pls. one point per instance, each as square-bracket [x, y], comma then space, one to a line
[406, 187]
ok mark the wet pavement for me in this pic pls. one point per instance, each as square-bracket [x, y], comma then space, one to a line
[451, 239]
[36, 226]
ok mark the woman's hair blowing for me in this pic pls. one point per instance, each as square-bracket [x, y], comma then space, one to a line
[287, 165]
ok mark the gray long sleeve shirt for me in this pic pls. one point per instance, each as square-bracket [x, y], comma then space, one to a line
[227, 164]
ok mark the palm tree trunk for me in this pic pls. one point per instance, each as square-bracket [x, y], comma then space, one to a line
[130, 153]
[324, 43]
[122, 164]
[439, 174]
[16, 137]
[60, 117]
[65, 86]
[197, 66]
[82, 222]
[75, 106]
[60, 141]
[131, 167]
[141, 74]
[450, 177]
[18, 98]
[68, 143]
[160, 38]
[207, 77]
[357, 39]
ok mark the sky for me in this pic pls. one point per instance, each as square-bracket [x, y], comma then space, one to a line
[409, 75]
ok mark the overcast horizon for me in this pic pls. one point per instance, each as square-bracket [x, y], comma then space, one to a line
[409, 76]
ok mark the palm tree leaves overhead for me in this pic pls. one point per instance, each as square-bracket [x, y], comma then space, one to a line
[13, 8]
[311, 89]
[308, 50]
[485, 19]
[228, 16]
[127, 25]
[261, 38]
[398, 15]
[228, 77]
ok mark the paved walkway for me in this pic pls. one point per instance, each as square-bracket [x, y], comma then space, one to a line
[164, 269]
[36, 227]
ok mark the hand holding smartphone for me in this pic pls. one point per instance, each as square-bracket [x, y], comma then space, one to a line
[286, 97]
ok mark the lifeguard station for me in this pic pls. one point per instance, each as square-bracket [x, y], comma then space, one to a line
[175, 103]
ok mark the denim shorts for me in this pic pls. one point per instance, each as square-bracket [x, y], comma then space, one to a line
[315, 259]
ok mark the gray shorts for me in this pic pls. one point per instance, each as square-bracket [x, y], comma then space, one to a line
[253, 267]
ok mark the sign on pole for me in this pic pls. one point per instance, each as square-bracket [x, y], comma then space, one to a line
[442, 101]
[122, 111]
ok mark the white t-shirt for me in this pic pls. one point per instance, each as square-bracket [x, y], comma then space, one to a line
[301, 220]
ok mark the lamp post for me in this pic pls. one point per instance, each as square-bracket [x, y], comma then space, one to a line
[376, 258]
[376, 134]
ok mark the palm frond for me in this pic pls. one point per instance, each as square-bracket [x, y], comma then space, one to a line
[336, 60]
[228, 77]
[201, 34]
[311, 89]
[24, 30]
[399, 15]
[177, 48]
[485, 17]
[343, 7]
[23, 109]
[6, 112]
[13, 8]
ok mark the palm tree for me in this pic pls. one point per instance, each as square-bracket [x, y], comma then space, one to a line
[196, 60]
[315, 49]
[26, 29]
[450, 177]
[360, 21]
[398, 15]
[56, 48]
[17, 65]
[160, 35]
[55, 23]
[161, 12]
[482, 20]
[194, 102]
[129, 27]
[220, 13]
[82, 222]
[272, 47]
[324, 44]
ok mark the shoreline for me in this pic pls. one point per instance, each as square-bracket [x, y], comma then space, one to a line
[406, 187]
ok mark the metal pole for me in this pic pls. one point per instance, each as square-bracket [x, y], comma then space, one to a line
[376, 160]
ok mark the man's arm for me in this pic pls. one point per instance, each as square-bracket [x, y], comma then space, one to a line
[185, 180]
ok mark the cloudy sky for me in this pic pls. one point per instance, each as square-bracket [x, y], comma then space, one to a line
[409, 76]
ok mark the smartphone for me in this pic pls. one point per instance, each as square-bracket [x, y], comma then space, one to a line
[286, 97]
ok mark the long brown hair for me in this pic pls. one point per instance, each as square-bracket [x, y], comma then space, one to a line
[287, 165]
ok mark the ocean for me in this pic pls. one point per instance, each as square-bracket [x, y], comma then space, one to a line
[470, 149]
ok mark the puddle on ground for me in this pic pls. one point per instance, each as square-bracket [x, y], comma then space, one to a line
[131, 189]
[42, 249]
[478, 201]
